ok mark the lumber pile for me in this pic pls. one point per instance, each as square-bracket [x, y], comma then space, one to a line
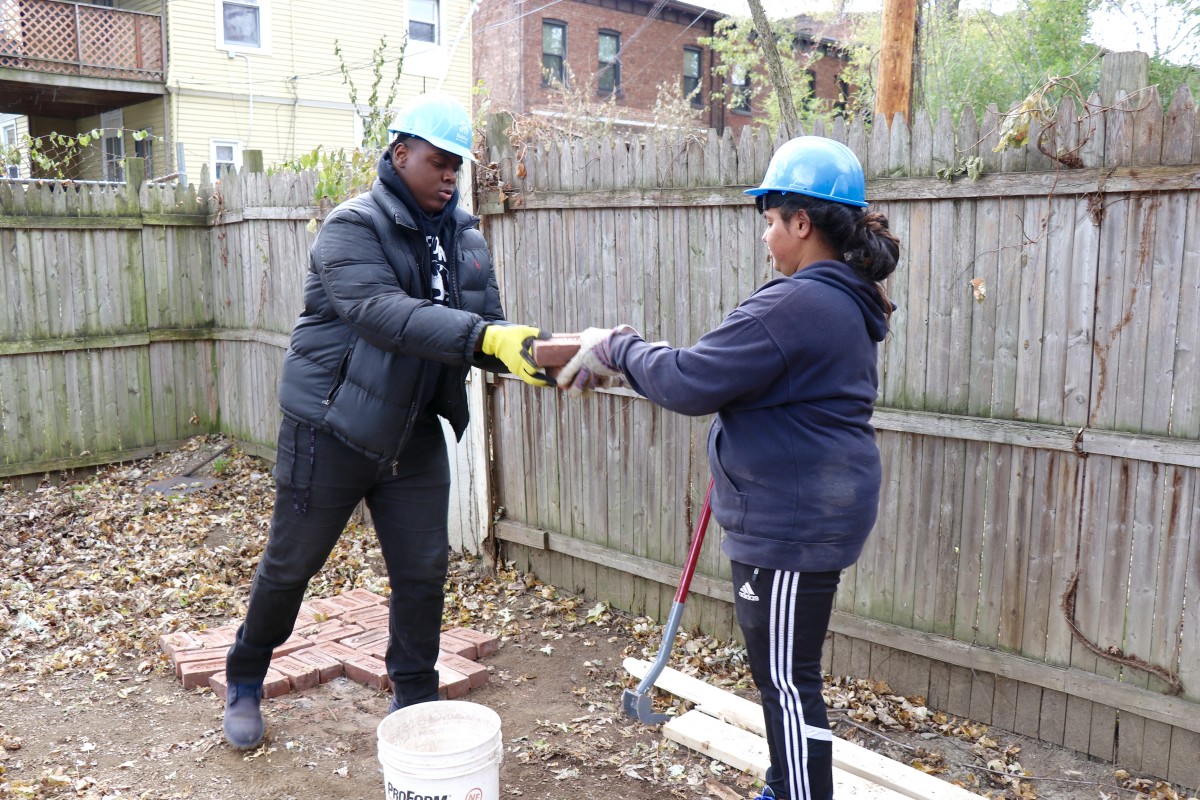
[730, 729]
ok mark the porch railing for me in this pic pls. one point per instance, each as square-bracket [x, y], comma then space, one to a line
[79, 39]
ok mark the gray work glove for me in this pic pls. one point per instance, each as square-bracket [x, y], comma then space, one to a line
[593, 366]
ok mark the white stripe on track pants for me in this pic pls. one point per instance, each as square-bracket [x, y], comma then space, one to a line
[784, 617]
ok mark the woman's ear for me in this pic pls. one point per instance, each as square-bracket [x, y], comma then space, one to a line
[800, 224]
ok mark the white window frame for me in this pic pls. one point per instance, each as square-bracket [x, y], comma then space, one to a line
[9, 137]
[114, 165]
[438, 25]
[213, 144]
[264, 27]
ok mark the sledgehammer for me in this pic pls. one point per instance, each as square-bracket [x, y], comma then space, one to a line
[636, 702]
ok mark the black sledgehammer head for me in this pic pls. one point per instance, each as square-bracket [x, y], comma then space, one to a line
[640, 707]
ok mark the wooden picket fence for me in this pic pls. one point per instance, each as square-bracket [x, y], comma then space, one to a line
[1041, 443]
[135, 316]
[1039, 410]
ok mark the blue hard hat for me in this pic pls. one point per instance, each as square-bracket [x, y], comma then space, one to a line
[438, 119]
[817, 167]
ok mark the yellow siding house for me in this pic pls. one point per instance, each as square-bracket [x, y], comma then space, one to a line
[211, 79]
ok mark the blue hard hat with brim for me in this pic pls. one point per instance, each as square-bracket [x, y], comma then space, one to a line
[438, 119]
[817, 167]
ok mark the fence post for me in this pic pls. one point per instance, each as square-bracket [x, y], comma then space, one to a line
[252, 161]
[135, 176]
[1123, 72]
[181, 164]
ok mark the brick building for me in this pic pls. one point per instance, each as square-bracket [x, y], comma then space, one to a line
[621, 51]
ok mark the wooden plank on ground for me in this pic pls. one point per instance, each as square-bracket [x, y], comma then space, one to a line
[745, 751]
[847, 756]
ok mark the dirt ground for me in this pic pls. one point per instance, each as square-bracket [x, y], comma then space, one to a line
[94, 571]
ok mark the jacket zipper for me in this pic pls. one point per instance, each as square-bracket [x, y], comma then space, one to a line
[427, 285]
[340, 377]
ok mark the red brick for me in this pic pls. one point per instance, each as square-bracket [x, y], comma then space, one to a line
[305, 617]
[275, 683]
[377, 649]
[292, 645]
[197, 673]
[367, 670]
[485, 643]
[217, 637]
[174, 642]
[368, 617]
[555, 351]
[365, 639]
[324, 610]
[348, 603]
[333, 631]
[367, 597]
[338, 650]
[327, 666]
[217, 683]
[475, 672]
[192, 656]
[460, 647]
[300, 675]
[452, 684]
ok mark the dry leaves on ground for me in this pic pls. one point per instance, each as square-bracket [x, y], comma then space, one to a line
[95, 571]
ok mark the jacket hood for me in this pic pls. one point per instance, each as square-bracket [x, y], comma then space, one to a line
[401, 215]
[866, 294]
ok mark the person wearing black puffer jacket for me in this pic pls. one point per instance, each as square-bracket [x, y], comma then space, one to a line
[399, 302]
[791, 376]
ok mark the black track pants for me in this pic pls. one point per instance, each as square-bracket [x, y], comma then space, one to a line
[319, 481]
[784, 617]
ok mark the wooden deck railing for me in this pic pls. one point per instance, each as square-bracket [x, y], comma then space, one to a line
[79, 39]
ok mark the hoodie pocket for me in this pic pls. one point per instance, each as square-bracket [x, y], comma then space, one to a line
[729, 505]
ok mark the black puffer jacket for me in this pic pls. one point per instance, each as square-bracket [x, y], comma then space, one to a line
[363, 348]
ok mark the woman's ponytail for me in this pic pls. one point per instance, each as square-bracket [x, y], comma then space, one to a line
[872, 248]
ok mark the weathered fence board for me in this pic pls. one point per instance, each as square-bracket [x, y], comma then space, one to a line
[1042, 431]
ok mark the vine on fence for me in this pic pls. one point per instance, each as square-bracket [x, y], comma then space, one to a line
[341, 172]
[60, 155]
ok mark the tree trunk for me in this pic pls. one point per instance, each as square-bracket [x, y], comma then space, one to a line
[783, 87]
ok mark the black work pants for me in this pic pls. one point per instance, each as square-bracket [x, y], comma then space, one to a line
[784, 617]
[319, 481]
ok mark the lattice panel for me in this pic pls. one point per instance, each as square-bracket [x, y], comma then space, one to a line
[48, 36]
[70, 39]
[108, 44]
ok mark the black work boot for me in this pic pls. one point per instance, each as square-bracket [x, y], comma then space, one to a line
[243, 720]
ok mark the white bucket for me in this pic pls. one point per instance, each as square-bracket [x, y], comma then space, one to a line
[443, 750]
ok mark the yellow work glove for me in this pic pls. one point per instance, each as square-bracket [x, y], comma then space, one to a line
[513, 344]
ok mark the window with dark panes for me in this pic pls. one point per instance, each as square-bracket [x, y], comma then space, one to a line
[423, 20]
[114, 156]
[144, 149]
[241, 23]
[691, 75]
[609, 72]
[554, 51]
[739, 80]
